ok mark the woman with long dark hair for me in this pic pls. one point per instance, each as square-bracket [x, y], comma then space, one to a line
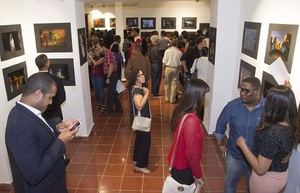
[186, 167]
[273, 142]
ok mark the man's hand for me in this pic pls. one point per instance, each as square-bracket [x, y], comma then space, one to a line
[66, 134]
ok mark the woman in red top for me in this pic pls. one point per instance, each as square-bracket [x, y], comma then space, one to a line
[186, 167]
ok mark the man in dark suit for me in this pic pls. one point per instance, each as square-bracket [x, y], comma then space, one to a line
[53, 113]
[35, 151]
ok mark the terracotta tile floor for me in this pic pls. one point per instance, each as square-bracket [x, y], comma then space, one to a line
[102, 162]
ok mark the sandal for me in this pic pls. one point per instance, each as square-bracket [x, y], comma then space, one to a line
[142, 170]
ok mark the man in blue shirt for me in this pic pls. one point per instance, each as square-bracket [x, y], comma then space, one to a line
[242, 115]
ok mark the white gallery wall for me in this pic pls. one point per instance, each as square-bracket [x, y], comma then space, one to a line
[78, 101]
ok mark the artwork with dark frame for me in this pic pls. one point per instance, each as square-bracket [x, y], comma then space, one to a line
[267, 82]
[112, 22]
[168, 23]
[251, 36]
[11, 41]
[14, 79]
[189, 22]
[281, 43]
[64, 69]
[53, 37]
[212, 44]
[204, 29]
[148, 23]
[99, 22]
[82, 45]
[246, 70]
[132, 22]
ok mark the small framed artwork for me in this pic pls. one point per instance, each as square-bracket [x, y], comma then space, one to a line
[168, 23]
[99, 22]
[132, 22]
[251, 38]
[267, 82]
[82, 45]
[14, 79]
[63, 69]
[281, 43]
[11, 41]
[189, 22]
[148, 23]
[112, 22]
[204, 29]
[246, 70]
[212, 44]
[53, 37]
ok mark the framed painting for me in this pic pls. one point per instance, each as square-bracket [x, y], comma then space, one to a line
[148, 23]
[82, 45]
[251, 38]
[281, 43]
[168, 23]
[246, 70]
[267, 82]
[189, 22]
[212, 44]
[112, 22]
[53, 37]
[99, 22]
[14, 79]
[11, 42]
[132, 22]
[64, 69]
[204, 29]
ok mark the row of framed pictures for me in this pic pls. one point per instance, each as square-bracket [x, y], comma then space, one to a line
[280, 42]
[15, 76]
[166, 22]
[49, 37]
[100, 22]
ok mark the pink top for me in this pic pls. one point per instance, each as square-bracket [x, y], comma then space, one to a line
[189, 147]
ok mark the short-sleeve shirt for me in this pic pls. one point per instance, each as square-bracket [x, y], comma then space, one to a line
[145, 112]
[274, 142]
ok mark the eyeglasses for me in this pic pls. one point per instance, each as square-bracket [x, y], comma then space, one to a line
[140, 75]
[246, 91]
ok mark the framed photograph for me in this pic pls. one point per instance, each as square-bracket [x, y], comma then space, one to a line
[267, 82]
[11, 41]
[204, 29]
[168, 23]
[99, 22]
[212, 44]
[53, 37]
[246, 70]
[148, 23]
[14, 79]
[281, 43]
[64, 69]
[251, 38]
[112, 22]
[189, 22]
[82, 45]
[132, 22]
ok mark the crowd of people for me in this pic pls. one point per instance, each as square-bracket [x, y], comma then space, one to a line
[263, 132]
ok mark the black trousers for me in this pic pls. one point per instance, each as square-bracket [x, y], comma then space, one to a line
[184, 176]
[141, 148]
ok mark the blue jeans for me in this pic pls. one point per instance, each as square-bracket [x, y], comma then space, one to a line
[98, 84]
[234, 170]
[156, 70]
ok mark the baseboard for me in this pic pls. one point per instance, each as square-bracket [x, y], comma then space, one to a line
[6, 186]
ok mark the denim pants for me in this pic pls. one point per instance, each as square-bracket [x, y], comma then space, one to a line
[156, 70]
[98, 84]
[234, 170]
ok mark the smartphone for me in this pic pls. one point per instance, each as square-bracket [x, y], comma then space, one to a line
[77, 124]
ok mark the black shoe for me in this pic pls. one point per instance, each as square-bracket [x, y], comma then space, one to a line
[67, 161]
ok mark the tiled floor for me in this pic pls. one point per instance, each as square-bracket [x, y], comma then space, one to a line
[102, 162]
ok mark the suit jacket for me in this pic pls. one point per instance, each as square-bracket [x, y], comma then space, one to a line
[35, 154]
[54, 110]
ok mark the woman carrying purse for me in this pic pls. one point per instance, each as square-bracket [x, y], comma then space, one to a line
[186, 151]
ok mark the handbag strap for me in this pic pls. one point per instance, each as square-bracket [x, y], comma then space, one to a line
[179, 131]
[139, 112]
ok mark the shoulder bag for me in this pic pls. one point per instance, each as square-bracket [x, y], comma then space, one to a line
[170, 184]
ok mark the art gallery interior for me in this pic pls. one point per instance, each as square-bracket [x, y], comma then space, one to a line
[263, 18]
